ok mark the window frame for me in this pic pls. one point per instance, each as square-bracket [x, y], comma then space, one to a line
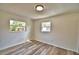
[18, 26]
[50, 26]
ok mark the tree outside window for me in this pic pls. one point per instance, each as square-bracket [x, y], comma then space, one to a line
[17, 26]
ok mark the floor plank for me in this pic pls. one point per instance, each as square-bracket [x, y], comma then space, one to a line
[36, 48]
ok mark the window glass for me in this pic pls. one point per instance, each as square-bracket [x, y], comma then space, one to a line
[46, 26]
[17, 26]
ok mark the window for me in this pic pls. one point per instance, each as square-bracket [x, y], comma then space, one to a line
[46, 26]
[16, 26]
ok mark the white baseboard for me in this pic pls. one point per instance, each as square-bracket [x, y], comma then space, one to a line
[12, 45]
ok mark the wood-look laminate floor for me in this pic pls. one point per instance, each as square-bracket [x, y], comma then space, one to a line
[36, 48]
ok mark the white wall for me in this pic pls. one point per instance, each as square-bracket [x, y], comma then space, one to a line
[78, 35]
[7, 38]
[63, 33]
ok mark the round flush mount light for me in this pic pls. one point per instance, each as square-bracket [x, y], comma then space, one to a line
[39, 7]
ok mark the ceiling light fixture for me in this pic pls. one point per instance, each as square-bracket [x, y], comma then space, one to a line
[39, 7]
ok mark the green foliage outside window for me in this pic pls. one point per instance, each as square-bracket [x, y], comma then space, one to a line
[17, 25]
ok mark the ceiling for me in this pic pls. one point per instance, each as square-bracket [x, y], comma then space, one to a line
[51, 9]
